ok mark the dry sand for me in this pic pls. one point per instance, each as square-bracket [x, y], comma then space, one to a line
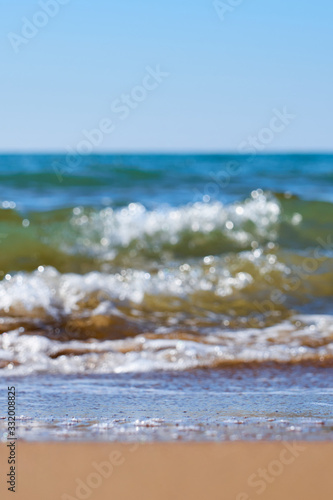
[168, 471]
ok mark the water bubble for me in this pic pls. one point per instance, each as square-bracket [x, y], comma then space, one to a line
[296, 219]
[209, 259]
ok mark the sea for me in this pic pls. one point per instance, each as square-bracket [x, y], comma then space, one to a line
[167, 297]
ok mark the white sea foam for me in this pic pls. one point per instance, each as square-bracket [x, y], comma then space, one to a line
[287, 342]
[102, 233]
[48, 292]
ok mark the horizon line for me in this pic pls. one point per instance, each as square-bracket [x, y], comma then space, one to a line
[169, 153]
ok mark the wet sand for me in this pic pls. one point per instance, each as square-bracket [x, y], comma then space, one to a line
[161, 471]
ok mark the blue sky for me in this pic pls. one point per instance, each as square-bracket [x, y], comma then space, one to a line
[225, 77]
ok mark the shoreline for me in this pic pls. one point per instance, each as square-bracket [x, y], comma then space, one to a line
[227, 470]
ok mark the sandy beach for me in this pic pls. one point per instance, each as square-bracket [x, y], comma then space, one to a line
[235, 471]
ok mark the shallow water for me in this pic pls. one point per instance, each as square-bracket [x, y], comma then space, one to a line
[258, 403]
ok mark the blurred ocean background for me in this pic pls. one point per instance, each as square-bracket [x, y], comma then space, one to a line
[203, 282]
[137, 263]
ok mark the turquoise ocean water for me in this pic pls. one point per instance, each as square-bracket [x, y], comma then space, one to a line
[191, 270]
